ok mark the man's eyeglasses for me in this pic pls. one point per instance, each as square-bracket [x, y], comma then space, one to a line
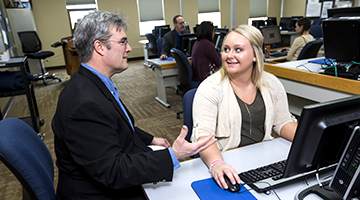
[123, 41]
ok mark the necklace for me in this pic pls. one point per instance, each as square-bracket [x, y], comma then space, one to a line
[248, 110]
[247, 99]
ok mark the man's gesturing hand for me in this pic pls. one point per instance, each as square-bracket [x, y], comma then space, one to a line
[183, 148]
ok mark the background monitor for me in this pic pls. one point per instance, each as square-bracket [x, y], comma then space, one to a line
[271, 21]
[343, 12]
[285, 23]
[163, 31]
[219, 36]
[258, 23]
[342, 39]
[271, 35]
[185, 43]
[157, 28]
[322, 134]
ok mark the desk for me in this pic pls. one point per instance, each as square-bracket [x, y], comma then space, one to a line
[241, 159]
[304, 87]
[166, 75]
[145, 44]
[34, 120]
[72, 61]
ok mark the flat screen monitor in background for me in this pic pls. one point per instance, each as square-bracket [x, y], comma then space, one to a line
[322, 134]
[271, 35]
[343, 12]
[157, 28]
[186, 41]
[258, 23]
[163, 31]
[285, 23]
[271, 21]
[219, 36]
[342, 39]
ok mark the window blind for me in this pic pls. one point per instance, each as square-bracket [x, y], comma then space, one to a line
[150, 10]
[206, 6]
[258, 8]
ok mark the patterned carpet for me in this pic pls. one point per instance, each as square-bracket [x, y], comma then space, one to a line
[137, 88]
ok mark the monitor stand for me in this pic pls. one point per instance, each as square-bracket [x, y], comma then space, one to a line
[324, 192]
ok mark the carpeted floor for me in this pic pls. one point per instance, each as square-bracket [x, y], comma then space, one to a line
[137, 88]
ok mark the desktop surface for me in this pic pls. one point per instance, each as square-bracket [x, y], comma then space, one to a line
[241, 159]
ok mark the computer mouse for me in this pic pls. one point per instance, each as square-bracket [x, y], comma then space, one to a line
[283, 50]
[231, 187]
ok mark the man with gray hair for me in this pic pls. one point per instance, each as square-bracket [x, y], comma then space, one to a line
[100, 152]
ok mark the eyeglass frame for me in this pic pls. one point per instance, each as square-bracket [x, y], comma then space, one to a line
[122, 41]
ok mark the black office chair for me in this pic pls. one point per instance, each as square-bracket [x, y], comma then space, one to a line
[159, 44]
[27, 157]
[152, 42]
[311, 49]
[31, 46]
[185, 73]
[187, 110]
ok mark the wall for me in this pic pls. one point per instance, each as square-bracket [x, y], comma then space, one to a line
[294, 8]
[52, 24]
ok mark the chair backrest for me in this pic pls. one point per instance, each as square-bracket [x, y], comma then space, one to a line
[316, 31]
[311, 49]
[317, 21]
[185, 73]
[152, 42]
[27, 157]
[30, 41]
[187, 111]
[159, 44]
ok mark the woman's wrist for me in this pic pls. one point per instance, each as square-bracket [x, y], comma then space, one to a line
[215, 162]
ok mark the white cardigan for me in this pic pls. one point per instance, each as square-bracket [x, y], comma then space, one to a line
[216, 110]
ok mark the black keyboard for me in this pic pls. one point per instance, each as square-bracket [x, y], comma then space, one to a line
[279, 54]
[268, 177]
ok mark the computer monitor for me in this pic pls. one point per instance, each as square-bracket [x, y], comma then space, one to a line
[343, 12]
[322, 134]
[163, 31]
[219, 36]
[157, 29]
[342, 39]
[271, 35]
[285, 23]
[258, 23]
[186, 41]
[271, 21]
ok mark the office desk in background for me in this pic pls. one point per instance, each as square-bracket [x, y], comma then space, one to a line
[304, 87]
[166, 76]
[72, 61]
[147, 53]
[241, 159]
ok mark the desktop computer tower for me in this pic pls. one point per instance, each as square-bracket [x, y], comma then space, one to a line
[346, 179]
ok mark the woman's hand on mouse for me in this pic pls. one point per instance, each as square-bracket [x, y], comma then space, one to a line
[221, 169]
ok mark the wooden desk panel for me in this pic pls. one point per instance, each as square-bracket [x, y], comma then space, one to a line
[326, 81]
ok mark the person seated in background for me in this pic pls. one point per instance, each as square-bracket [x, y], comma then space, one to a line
[302, 27]
[171, 39]
[101, 153]
[205, 60]
[241, 104]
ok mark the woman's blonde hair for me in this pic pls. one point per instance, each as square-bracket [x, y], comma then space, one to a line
[256, 39]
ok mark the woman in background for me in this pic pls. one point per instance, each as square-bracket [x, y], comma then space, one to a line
[302, 27]
[204, 58]
[241, 104]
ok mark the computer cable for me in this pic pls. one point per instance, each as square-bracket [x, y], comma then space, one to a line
[271, 189]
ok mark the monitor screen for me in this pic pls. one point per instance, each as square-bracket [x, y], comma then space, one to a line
[341, 39]
[285, 23]
[271, 21]
[271, 35]
[157, 28]
[163, 31]
[258, 23]
[322, 134]
[185, 43]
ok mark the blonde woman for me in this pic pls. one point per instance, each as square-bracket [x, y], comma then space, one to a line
[241, 104]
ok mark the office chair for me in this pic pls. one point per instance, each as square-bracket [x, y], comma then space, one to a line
[185, 73]
[317, 21]
[187, 110]
[316, 31]
[311, 49]
[152, 42]
[159, 44]
[31, 46]
[27, 157]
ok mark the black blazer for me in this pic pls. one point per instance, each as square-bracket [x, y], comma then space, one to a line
[99, 156]
[170, 41]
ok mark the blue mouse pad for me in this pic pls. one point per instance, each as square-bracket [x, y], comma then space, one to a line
[322, 61]
[169, 58]
[208, 189]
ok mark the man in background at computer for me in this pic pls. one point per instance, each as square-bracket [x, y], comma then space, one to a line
[101, 154]
[171, 39]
